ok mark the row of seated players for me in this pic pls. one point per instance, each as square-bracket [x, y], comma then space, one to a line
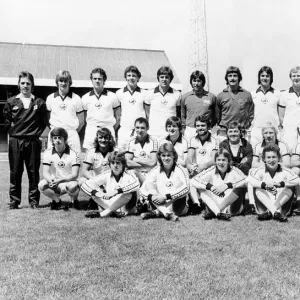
[201, 153]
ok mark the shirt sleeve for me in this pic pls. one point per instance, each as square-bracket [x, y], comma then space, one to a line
[148, 97]
[183, 188]
[250, 111]
[88, 159]
[183, 112]
[48, 102]
[75, 159]
[47, 157]
[7, 116]
[178, 101]
[129, 184]
[84, 102]
[78, 104]
[203, 179]
[91, 186]
[149, 186]
[116, 102]
[282, 100]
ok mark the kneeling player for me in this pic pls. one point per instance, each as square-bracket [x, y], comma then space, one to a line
[221, 188]
[166, 186]
[65, 163]
[273, 183]
[114, 189]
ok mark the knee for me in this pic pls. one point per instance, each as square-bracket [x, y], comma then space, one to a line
[72, 186]
[43, 185]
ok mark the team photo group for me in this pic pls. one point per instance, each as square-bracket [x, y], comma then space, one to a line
[158, 153]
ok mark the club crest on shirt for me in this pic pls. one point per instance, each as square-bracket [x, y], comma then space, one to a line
[169, 184]
[132, 100]
[98, 105]
[61, 164]
[206, 101]
[104, 163]
[63, 106]
[164, 101]
[35, 107]
[15, 108]
[264, 100]
[202, 151]
[143, 154]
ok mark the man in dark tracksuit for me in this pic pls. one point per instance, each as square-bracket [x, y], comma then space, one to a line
[25, 120]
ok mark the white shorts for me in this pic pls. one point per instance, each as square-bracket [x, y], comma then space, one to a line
[90, 135]
[289, 135]
[73, 140]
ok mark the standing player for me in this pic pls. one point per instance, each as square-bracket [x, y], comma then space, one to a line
[289, 110]
[234, 103]
[60, 170]
[101, 108]
[220, 187]
[132, 99]
[202, 148]
[163, 103]
[175, 137]
[119, 188]
[141, 150]
[198, 102]
[166, 186]
[266, 100]
[273, 184]
[65, 110]
[25, 120]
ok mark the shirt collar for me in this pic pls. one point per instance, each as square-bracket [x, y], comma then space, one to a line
[218, 172]
[204, 93]
[20, 96]
[279, 168]
[69, 94]
[179, 140]
[170, 90]
[147, 140]
[104, 92]
[208, 139]
[67, 151]
[271, 89]
[137, 89]
[240, 89]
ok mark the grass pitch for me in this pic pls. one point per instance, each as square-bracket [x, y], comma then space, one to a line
[62, 255]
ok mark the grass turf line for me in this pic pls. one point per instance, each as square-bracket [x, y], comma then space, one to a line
[62, 255]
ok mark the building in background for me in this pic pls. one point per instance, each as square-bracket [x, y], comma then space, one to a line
[44, 61]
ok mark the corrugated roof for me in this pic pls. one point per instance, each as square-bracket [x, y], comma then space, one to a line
[43, 61]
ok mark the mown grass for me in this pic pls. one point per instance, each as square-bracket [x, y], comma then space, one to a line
[62, 255]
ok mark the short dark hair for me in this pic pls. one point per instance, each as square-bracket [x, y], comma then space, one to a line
[166, 147]
[268, 70]
[174, 120]
[198, 74]
[25, 74]
[164, 70]
[59, 131]
[105, 132]
[142, 120]
[271, 148]
[225, 153]
[205, 118]
[100, 71]
[132, 69]
[233, 125]
[233, 69]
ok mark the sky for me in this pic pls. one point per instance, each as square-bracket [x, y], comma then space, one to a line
[243, 33]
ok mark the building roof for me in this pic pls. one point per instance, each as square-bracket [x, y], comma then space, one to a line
[44, 61]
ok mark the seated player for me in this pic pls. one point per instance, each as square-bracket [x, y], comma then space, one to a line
[114, 189]
[221, 188]
[269, 135]
[166, 187]
[273, 186]
[96, 158]
[239, 148]
[203, 147]
[180, 143]
[60, 170]
[141, 150]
